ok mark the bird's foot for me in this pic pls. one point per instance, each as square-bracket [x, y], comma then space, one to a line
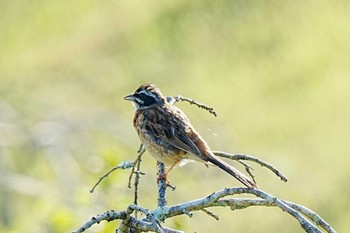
[167, 181]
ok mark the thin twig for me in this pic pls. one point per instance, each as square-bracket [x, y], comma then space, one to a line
[136, 184]
[140, 152]
[240, 157]
[124, 165]
[173, 100]
[137, 176]
[211, 214]
[248, 169]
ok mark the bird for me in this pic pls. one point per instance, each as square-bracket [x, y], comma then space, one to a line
[168, 135]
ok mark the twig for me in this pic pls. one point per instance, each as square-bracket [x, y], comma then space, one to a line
[140, 152]
[137, 176]
[136, 183]
[173, 100]
[248, 169]
[210, 214]
[124, 165]
[240, 157]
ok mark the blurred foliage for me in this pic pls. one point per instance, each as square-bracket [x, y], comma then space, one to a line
[277, 72]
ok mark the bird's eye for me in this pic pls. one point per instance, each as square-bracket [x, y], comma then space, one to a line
[141, 95]
[137, 95]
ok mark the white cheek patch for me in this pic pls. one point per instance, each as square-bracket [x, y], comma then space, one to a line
[136, 105]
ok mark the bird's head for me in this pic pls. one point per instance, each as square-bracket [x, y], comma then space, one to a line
[146, 96]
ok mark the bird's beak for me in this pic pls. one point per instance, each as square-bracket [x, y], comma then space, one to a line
[130, 97]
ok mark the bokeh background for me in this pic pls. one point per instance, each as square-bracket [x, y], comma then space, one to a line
[277, 72]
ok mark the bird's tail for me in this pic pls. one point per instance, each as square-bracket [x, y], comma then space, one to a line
[233, 172]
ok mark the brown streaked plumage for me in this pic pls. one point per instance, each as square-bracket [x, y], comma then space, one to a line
[168, 135]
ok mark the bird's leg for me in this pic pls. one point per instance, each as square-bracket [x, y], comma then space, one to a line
[165, 176]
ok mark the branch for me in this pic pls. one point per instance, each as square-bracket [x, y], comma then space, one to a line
[162, 185]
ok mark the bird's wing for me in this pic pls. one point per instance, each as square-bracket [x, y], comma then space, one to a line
[174, 128]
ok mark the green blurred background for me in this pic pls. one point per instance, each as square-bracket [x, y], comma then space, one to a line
[277, 72]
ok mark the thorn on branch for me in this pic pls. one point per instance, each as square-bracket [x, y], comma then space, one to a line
[188, 213]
